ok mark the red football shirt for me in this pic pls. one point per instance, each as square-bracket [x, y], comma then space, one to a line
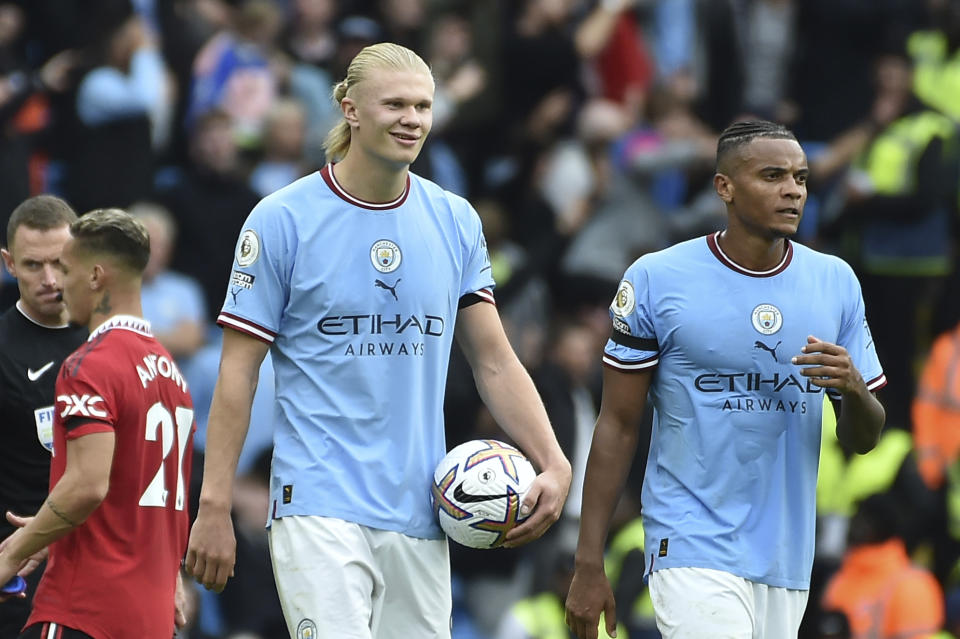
[114, 576]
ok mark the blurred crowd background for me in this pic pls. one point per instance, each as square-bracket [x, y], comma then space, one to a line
[584, 133]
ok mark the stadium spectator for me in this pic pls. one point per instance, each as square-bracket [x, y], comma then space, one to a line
[716, 81]
[845, 480]
[308, 49]
[172, 302]
[901, 196]
[611, 40]
[634, 168]
[522, 295]
[464, 54]
[729, 490]
[15, 85]
[543, 93]
[25, 91]
[310, 34]
[209, 200]
[185, 28]
[354, 32]
[106, 475]
[892, 96]
[565, 381]
[934, 53]
[767, 43]
[884, 595]
[936, 435]
[403, 21]
[836, 42]
[361, 406]
[130, 81]
[936, 410]
[461, 82]
[283, 145]
[459, 75]
[35, 338]
[122, 107]
[233, 71]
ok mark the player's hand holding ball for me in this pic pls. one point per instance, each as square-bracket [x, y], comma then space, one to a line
[478, 492]
[487, 494]
[544, 499]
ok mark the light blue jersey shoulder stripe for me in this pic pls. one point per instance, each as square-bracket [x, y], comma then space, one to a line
[613, 362]
[486, 295]
[246, 326]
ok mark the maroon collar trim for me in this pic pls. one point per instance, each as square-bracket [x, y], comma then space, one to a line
[714, 244]
[331, 180]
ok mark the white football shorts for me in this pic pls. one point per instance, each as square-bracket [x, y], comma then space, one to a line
[694, 603]
[340, 579]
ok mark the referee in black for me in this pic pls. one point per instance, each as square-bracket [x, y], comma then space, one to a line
[35, 338]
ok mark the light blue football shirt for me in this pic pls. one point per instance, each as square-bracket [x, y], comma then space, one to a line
[358, 301]
[731, 476]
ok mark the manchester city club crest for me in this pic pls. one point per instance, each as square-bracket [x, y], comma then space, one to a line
[306, 629]
[625, 300]
[386, 256]
[767, 319]
[249, 249]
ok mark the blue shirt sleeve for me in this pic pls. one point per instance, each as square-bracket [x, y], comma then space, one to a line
[260, 280]
[633, 342]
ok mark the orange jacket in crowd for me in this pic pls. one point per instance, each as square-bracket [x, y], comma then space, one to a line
[936, 410]
[884, 595]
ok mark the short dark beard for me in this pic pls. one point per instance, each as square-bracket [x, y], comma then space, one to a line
[103, 306]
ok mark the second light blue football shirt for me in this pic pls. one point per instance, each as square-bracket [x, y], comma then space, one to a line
[731, 475]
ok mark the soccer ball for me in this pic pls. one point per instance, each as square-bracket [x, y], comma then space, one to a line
[477, 491]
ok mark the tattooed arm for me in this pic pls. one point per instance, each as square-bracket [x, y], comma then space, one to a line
[82, 487]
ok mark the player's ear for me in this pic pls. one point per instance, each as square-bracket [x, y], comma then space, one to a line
[8, 262]
[97, 277]
[349, 108]
[724, 187]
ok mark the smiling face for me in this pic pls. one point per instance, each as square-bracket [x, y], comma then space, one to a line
[390, 114]
[34, 259]
[764, 185]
